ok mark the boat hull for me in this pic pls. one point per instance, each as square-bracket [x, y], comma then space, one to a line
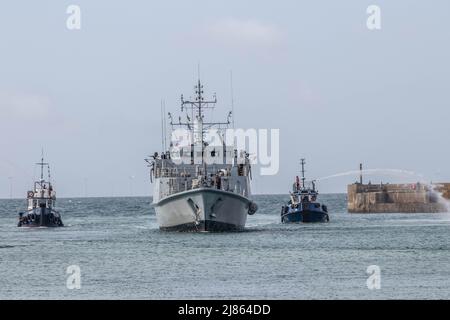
[304, 212]
[42, 217]
[305, 216]
[203, 209]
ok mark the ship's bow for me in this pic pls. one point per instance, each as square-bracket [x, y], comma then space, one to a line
[203, 210]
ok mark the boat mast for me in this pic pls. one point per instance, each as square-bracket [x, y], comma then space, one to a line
[199, 99]
[163, 126]
[198, 106]
[303, 171]
[42, 164]
[232, 97]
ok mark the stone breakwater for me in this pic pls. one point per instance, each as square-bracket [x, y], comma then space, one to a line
[397, 198]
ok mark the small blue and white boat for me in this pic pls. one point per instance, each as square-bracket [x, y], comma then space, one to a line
[303, 206]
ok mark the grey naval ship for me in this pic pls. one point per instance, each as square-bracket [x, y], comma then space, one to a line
[41, 200]
[201, 184]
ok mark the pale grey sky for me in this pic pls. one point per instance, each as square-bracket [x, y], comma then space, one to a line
[339, 93]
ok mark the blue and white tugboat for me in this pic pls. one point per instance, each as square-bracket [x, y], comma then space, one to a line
[303, 206]
[41, 200]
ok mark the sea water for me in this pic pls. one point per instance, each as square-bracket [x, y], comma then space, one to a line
[121, 254]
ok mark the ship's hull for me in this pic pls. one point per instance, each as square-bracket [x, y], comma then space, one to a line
[202, 209]
[305, 212]
[305, 217]
[40, 217]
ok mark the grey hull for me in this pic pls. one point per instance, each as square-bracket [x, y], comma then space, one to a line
[202, 209]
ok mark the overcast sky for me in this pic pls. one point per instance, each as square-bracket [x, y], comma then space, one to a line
[339, 93]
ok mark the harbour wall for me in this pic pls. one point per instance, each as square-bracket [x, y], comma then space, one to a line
[397, 198]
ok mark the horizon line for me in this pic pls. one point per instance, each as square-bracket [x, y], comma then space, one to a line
[145, 196]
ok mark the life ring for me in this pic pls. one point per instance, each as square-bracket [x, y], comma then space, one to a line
[30, 194]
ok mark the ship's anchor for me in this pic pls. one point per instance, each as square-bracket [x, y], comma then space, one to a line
[196, 209]
[215, 207]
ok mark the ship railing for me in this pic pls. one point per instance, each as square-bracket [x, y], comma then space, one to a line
[178, 184]
[188, 171]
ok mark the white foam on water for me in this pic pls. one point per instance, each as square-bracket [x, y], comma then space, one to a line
[143, 227]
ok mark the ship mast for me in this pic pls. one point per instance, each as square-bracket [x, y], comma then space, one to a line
[198, 107]
[42, 164]
[197, 126]
[303, 171]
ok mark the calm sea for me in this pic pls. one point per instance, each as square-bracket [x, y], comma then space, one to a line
[122, 255]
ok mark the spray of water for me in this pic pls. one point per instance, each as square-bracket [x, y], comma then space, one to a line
[435, 189]
[389, 172]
